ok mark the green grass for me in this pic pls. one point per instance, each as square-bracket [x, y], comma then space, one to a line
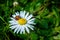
[46, 12]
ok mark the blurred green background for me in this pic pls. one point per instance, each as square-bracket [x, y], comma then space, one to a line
[46, 12]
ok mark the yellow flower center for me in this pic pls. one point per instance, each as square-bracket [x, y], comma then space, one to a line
[22, 21]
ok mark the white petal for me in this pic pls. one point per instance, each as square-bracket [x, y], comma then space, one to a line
[17, 13]
[30, 26]
[27, 30]
[13, 27]
[14, 16]
[30, 16]
[27, 15]
[16, 29]
[22, 14]
[13, 23]
[31, 23]
[32, 19]
[22, 29]
[13, 19]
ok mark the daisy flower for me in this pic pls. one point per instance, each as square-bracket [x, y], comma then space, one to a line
[15, 3]
[22, 22]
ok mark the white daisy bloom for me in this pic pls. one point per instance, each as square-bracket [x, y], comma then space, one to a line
[22, 22]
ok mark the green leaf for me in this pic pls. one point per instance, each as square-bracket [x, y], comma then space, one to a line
[57, 37]
[44, 24]
[33, 36]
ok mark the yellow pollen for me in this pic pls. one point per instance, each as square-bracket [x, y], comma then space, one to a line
[22, 21]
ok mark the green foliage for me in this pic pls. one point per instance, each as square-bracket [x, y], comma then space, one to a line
[46, 12]
[33, 36]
